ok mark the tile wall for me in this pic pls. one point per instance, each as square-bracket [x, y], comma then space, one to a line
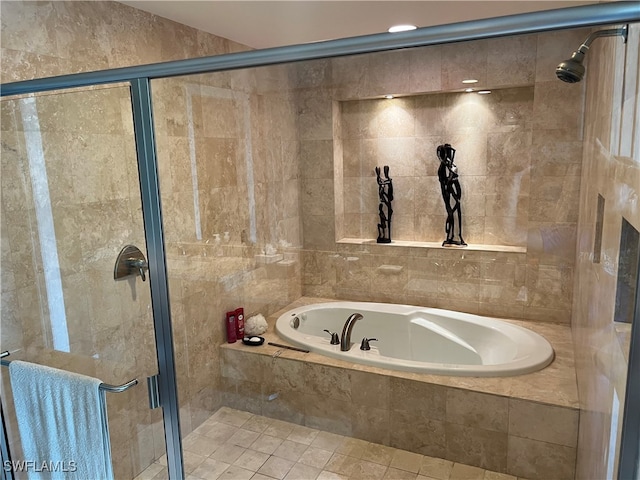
[301, 157]
[60, 304]
[529, 130]
[25, 306]
[229, 188]
[492, 137]
[221, 154]
[90, 162]
[611, 168]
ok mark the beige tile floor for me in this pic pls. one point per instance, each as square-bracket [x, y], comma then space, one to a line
[238, 445]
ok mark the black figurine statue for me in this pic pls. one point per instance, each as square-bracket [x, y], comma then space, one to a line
[385, 191]
[451, 194]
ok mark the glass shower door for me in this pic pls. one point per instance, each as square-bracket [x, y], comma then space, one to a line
[71, 201]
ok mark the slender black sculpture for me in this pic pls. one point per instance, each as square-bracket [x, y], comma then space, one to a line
[451, 194]
[385, 192]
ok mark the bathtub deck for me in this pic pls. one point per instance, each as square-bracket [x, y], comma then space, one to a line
[526, 426]
[554, 385]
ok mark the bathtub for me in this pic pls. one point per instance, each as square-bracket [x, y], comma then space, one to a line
[419, 339]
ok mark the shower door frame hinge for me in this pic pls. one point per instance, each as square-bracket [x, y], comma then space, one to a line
[154, 391]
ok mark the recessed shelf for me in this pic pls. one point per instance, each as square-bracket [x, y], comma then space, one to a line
[405, 243]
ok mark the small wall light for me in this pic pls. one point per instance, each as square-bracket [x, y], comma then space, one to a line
[484, 92]
[470, 80]
[468, 90]
[388, 96]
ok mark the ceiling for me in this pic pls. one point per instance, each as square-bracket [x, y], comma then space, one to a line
[263, 24]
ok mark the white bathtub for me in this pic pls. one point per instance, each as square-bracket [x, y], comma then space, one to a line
[419, 339]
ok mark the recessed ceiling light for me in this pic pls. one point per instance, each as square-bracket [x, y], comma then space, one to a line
[401, 28]
[484, 92]
[470, 80]
[388, 96]
[468, 90]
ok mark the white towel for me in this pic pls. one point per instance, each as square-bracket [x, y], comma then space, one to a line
[62, 420]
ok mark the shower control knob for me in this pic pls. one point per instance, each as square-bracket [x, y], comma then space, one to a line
[130, 262]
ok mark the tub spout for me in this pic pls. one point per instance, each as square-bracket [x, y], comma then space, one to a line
[345, 339]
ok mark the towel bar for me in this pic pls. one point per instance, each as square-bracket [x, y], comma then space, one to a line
[103, 386]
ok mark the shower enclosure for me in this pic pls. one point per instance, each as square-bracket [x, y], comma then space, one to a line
[70, 200]
[238, 176]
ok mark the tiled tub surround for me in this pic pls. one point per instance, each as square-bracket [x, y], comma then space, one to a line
[524, 425]
[519, 153]
[535, 286]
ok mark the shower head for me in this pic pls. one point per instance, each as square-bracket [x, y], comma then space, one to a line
[572, 70]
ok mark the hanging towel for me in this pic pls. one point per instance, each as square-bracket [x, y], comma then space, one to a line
[62, 420]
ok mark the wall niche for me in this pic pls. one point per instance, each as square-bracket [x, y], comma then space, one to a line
[492, 135]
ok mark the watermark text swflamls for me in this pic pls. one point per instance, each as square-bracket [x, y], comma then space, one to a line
[36, 466]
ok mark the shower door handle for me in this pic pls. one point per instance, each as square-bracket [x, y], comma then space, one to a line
[153, 389]
[130, 261]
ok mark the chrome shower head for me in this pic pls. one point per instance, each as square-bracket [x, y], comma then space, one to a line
[572, 70]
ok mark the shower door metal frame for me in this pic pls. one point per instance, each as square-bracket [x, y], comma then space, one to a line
[520, 24]
[5, 454]
[140, 76]
[630, 440]
[144, 133]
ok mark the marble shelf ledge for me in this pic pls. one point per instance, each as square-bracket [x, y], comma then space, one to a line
[406, 243]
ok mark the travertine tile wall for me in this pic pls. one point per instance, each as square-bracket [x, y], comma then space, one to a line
[93, 182]
[107, 323]
[543, 156]
[492, 138]
[611, 168]
[48, 38]
[223, 160]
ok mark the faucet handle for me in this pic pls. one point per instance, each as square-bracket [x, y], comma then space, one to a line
[365, 343]
[335, 340]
